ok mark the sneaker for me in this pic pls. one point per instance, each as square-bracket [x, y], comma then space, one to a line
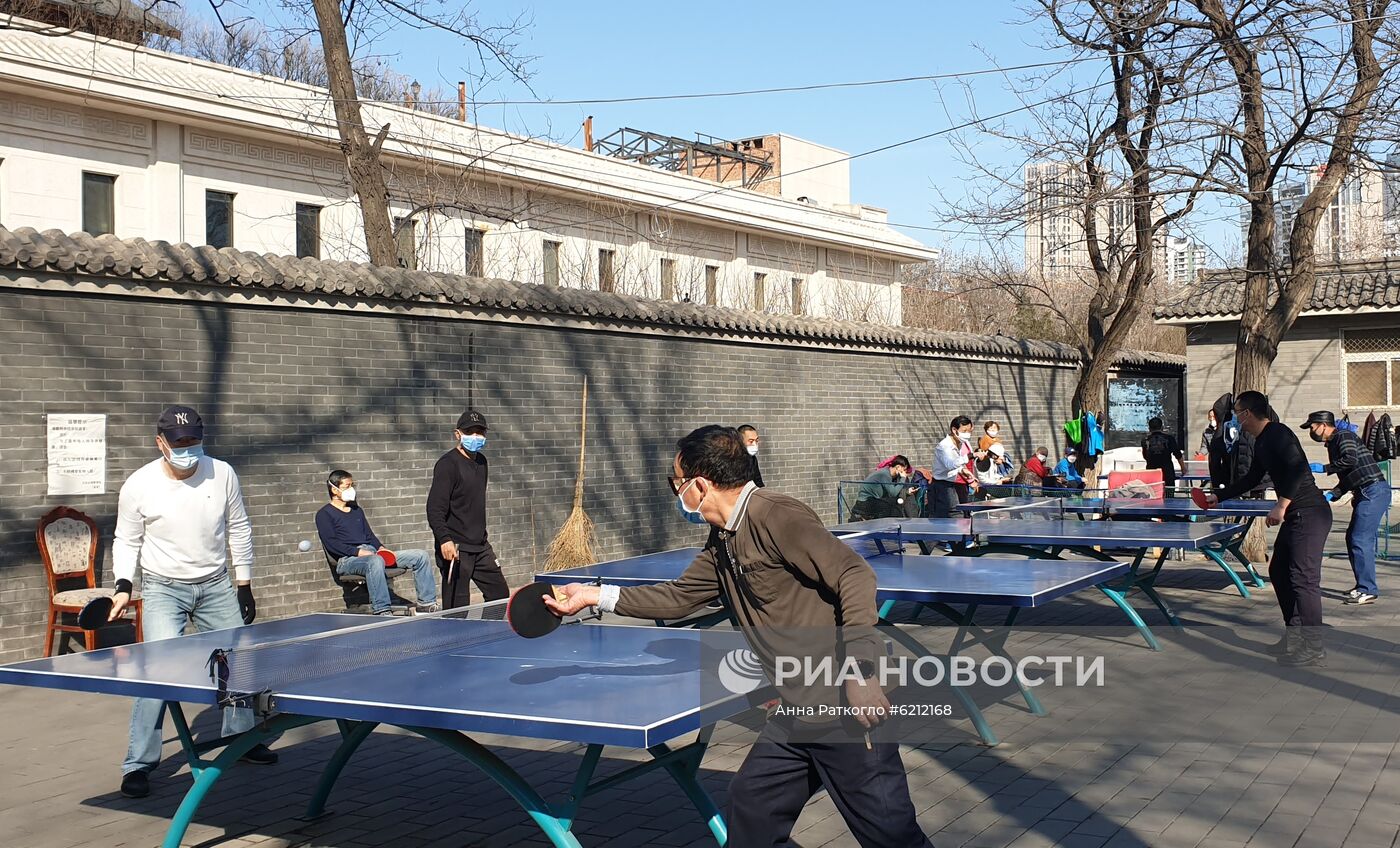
[1282, 646]
[136, 784]
[1361, 598]
[1352, 595]
[384, 612]
[260, 755]
[427, 608]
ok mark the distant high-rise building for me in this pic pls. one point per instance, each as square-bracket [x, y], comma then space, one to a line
[1361, 223]
[1181, 259]
[1056, 244]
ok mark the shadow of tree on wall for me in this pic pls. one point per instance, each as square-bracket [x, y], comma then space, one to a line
[290, 393]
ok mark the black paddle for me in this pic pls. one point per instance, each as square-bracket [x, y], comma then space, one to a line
[527, 613]
[95, 612]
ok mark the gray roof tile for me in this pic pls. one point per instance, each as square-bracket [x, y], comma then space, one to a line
[1355, 285]
[80, 254]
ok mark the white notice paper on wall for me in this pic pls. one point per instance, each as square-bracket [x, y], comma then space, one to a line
[77, 454]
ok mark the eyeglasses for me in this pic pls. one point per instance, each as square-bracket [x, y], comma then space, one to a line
[676, 483]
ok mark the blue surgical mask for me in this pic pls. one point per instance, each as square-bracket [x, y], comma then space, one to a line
[685, 511]
[474, 442]
[185, 458]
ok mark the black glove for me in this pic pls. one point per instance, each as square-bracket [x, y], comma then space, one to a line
[246, 605]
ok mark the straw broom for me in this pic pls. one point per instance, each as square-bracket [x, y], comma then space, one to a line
[573, 545]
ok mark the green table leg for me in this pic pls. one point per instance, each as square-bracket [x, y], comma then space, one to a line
[352, 735]
[210, 772]
[974, 712]
[555, 827]
[1219, 560]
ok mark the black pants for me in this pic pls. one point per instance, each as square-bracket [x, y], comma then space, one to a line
[478, 567]
[869, 788]
[944, 497]
[1295, 569]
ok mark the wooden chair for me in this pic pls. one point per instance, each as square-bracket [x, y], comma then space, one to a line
[67, 542]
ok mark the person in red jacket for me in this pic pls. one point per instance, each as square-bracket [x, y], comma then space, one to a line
[1034, 470]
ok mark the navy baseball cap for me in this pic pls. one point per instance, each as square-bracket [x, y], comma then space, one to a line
[180, 422]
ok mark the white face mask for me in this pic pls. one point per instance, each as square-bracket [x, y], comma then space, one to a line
[348, 495]
[966, 437]
[752, 449]
[993, 432]
[1042, 457]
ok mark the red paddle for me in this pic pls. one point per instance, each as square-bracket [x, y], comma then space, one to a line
[389, 559]
[527, 614]
[1198, 496]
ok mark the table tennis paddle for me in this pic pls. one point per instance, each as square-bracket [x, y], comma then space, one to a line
[389, 559]
[94, 613]
[527, 614]
[1198, 496]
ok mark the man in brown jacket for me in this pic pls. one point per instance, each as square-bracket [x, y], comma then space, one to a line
[787, 582]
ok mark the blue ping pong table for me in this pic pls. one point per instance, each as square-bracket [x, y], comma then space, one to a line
[953, 587]
[444, 679]
[1048, 538]
[1234, 511]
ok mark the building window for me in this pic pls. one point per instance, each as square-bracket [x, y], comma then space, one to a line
[308, 230]
[551, 263]
[1370, 369]
[99, 204]
[712, 285]
[218, 219]
[476, 262]
[668, 279]
[607, 275]
[799, 299]
[406, 242]
[760, 283]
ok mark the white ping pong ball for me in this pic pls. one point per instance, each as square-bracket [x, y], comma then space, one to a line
[304, 546]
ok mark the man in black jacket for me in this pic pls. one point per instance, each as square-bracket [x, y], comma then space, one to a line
[457, 516]
[1231, 450]
[749, 434]
[1358, 474]
[1306, 518]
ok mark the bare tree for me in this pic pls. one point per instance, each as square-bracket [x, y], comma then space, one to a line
[990, 294]
[345, 29]
[1307, 87]
[1104, 176]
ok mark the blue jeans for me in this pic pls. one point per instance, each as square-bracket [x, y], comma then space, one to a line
[1368, 506]
[371, 568]
[167, 605]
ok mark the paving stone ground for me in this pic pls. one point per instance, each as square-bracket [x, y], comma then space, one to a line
[1052, 781]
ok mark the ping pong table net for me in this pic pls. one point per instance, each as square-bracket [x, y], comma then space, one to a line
[1045, 509]
[253, 675]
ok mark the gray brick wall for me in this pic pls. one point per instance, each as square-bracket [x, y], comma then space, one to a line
[1306, 375]
[289, 393]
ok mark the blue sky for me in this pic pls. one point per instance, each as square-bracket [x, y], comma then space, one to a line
[611, 50]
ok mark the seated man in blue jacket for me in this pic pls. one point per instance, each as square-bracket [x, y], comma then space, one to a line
[347, 537]
[1067, 471]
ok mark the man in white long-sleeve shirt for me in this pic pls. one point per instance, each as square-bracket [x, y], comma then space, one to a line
[177, 518]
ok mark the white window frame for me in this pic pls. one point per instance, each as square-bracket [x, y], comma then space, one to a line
[1390, 358]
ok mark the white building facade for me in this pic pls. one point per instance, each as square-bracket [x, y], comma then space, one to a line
[101, 136]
